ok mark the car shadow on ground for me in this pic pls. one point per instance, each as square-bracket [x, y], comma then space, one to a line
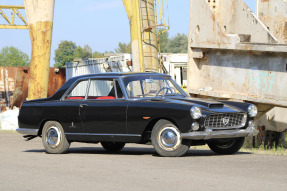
[133, 151]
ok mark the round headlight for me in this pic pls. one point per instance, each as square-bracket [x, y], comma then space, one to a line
[195, 112]
[252, 110]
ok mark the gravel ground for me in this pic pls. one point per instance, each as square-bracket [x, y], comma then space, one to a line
[26, 166]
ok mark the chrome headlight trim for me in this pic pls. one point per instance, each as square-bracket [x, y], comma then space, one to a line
[195, 112]
[252, 110]
[195, 126]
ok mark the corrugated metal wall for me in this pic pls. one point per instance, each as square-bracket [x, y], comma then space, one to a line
[100, 65]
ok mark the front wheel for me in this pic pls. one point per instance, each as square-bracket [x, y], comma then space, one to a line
[166, 139]
[112, 146]
[54, 139]
[227, 147]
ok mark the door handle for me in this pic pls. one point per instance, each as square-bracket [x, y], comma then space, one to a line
[83, 105]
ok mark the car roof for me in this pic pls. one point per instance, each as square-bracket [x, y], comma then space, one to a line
[119, 74]
[63, 89]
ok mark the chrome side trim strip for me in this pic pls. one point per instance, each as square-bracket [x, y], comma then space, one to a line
[99, 134]
[28, 131]
[210, 134]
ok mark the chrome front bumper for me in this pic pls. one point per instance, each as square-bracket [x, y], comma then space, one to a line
[28, 131]
[210, 134]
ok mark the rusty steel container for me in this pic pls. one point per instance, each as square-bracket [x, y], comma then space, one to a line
[14, 84]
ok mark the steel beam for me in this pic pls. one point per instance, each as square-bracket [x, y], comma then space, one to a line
[11, 21]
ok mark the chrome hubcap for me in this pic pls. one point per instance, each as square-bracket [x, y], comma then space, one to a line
[53, 137]
[169, 138]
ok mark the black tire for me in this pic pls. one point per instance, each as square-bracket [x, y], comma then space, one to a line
[53, 143]
[113, 146]
[228, 147]
[166, 140]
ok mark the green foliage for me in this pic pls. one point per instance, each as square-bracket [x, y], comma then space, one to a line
[87, 52]
[79, 52]
[124, 48]
[83, 53]
[11, 56]
[163, 40]
[97, 54]
[65, 53]
[177, 44]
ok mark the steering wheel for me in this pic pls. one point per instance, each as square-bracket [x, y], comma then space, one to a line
[167, 89]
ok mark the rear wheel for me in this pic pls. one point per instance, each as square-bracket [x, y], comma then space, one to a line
[227, 147]
[113, 146]
[166, 139]
[54, 139]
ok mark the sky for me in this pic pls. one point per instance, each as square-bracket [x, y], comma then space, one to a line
[101, 24]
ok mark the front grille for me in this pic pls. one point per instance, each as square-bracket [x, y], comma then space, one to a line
[225, 121]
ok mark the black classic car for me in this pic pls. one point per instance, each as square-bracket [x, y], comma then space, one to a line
[119, 108]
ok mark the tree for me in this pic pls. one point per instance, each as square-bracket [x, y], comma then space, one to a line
[163, 40]
[78, 52]
[65, 53]
[11, 56]
[124, 48]
[87, 52]
[178, 44]
[97, 54]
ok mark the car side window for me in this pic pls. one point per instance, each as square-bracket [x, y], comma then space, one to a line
[104, 89]
[79, 91]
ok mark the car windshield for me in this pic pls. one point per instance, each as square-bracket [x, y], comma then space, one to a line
[151, 86]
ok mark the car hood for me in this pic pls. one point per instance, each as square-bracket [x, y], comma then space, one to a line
[204, 104]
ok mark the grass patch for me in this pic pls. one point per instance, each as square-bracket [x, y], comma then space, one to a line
[280, 151]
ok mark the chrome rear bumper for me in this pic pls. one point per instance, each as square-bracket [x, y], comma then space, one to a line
[28, 131]
[210, 134]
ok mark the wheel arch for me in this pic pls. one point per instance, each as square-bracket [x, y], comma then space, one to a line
[146, 135]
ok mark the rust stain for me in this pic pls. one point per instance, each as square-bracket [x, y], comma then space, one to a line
[14, 84]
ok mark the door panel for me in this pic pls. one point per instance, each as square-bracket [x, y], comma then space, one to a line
[104, 116]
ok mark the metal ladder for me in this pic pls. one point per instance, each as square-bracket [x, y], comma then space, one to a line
[150, 32]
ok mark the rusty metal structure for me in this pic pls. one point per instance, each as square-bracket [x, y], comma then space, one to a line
[145, 16]
[233, 55]
[273, 13]
[40, 19]
[40, 24]
[14, 84]
[15, 13]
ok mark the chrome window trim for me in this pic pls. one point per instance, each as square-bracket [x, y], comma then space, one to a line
[119, 78]
[71, 88]
[184, 94]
